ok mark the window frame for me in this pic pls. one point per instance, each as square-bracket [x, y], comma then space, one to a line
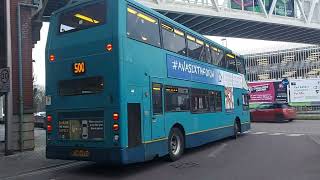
[99, 79]
[196, 39]
[152, 98]
[174, 28]
[139, 10]
[165, 97]
[81, 7]
[192, 95]
[215, 102]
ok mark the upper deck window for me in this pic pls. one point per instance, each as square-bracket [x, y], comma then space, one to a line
[216, 55]
[231, 62]
[83, 18]
[173, 39]
[195, 48]
[142, 27]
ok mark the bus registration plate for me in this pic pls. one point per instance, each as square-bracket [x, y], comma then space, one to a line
[80, 153]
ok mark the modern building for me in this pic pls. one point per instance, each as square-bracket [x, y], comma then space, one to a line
[297, 63]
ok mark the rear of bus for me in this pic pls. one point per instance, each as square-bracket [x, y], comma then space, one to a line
[82, 83]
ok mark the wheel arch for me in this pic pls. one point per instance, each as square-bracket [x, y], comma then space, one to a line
[179, 126]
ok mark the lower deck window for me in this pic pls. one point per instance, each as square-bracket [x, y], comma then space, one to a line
[91, 85]
[177, 99]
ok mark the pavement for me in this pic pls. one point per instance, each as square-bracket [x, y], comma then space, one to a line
[270, 151]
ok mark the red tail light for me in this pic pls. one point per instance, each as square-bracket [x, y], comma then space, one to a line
[109, 47]
[52, 57]
[49, 119]
[115, 116]
[115, 127]
[49, 128]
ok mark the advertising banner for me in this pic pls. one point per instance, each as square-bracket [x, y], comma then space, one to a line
[283, 7]
[229, 98]
[185, 69]
[280, 91]
[261, 92]
[304, 90]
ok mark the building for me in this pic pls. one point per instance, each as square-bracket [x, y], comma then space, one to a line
[297, 63]
[19, 31]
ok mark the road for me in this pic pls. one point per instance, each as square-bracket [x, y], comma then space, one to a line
[270, 151]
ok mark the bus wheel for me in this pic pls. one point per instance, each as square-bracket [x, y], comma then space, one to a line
[175, 144]
[236, 129]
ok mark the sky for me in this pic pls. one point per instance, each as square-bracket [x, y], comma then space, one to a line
[240, 46]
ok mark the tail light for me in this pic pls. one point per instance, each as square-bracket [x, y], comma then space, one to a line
[115, 116]
[49, 121]
[52, 58]
[115, 127]
[49, 128]
[109, 47]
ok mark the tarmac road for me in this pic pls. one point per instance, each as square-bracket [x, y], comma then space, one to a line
[270, 151]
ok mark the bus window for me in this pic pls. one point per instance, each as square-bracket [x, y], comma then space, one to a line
[245, 102]
[199, 100]
[230, 60]
[177, 99]
[195, 48]
[215, 101]
[240, 66]
[91, 85]
[157, 98]
[207, 54]
[142, 27]
[216, 55]
[82, 18]
[173, 39]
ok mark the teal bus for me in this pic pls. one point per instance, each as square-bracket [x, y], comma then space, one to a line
[126, 84]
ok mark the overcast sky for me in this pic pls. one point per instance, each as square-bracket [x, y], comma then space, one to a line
[241, 46]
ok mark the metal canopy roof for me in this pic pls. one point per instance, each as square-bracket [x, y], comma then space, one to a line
[238, 28]
[228, 26]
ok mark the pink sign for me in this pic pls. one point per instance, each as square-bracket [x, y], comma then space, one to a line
[261, 92]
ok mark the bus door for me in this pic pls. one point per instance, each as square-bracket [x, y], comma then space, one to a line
[157, 116]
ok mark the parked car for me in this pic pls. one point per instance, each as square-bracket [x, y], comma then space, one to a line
[40, 120]
[276, 112]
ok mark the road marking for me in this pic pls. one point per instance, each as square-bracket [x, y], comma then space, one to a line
[294, 135]
[316, 139]
[276, 134]
[246, 132]
[257, 133]
[215, 153]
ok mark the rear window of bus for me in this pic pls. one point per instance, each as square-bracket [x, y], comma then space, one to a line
[90, 85]
[83, 17]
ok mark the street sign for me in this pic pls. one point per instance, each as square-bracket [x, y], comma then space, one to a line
[4, 80]
[285, 82]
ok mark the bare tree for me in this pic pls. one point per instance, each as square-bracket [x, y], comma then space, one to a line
[39, 99]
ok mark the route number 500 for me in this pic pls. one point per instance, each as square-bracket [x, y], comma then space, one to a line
[79, 68]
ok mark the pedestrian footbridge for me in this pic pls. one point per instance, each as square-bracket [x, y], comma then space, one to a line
[277, 20]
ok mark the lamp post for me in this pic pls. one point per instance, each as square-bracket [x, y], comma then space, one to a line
[224, 39]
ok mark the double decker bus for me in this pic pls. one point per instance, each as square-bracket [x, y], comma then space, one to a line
[126, 84]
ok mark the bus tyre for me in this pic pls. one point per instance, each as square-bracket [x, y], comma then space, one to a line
[236, 130]
[175, 144]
